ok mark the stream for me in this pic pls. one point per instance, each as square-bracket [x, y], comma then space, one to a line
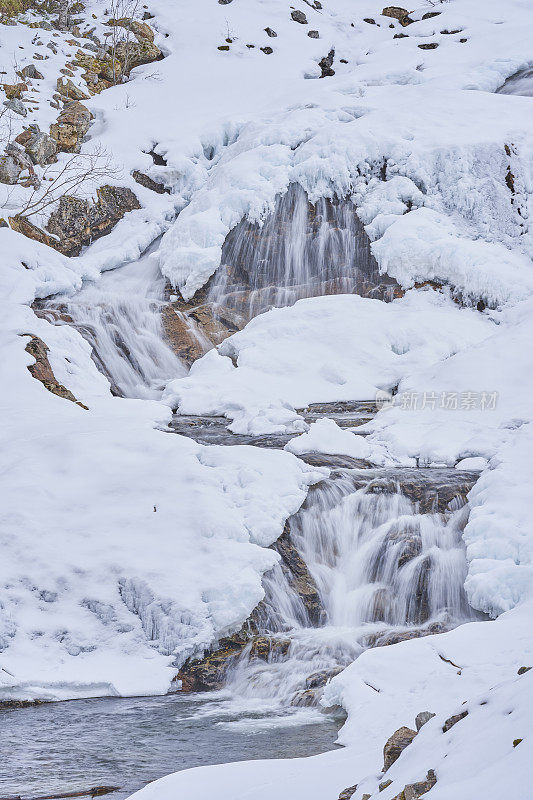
[374, 556]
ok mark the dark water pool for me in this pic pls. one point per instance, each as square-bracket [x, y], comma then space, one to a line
[65, 747]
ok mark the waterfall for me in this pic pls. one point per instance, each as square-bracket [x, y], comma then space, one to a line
[300, 250]
[120, 317]
[384, 572]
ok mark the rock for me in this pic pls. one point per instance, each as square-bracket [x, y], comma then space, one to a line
[183, 336]
[326, 63]
[396, 744]
[319, 679]
[17, 106]
[271, 33]
[269, 648]
[217, 322]
[523, 670]
[431, 14]
[9, 170]
[134, 54]
[415, 790]
[266, 50]
[223, 47]
[451, 721]
[347, 793]
[42, 371]
[14, 91]
[313, 34]
[208, 674]
[394, 636]
[370, 21]
[299, 576]
[71, 126]
[77, 222]
[401, 14]
[31, 231]
[384, 785]
[148, 183]
[41, 148]
[430, 46]
[31, 71]
[225, 2]
[68, 90]
[422, 718]
[299, 16]
[140, 29]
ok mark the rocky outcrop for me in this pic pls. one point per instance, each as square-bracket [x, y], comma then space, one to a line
[40, 147]
[396, 12]
[42, 371]
[71, 126]
[182, 336]
[77, 222]
[395, 746]
[140, 29]
[14, 91]
[69, 90]
[347, 793]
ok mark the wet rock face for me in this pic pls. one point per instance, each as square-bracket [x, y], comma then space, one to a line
[209, 673]
[395, 746]
[181, 336]
[77, 222]
[299, 576]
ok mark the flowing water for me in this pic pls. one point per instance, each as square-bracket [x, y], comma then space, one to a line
[520, 83]
[380, 552]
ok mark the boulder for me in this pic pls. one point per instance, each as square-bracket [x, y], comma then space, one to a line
[31, 71]
[347, 793]
[9, 170]
[149, 183]
[415, 790]
[299, 16]
[17, 106]
[71, 126]
[396, 12]
[182, 335]
[269, 648]
[69, 90]
[317, 680]
[270, 32]
[313, 34]
[140, 29]
[78, 222]
[134, 54]
[451, 721]
[422, 718]
[41, 148]
[14, 91]
[395, 746]
[325, 64]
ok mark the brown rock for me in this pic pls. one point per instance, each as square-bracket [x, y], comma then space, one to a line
[347, 793]
[396, 744]
[42, 371]
[71, 126]
[183, 336]
[134, 54]
[269, 648]
[384, 785]
[415, 790]
[149, 183]
[140, 29]
[451, 721]
[299, 576]
[396, 12]
[77, 222]
[14, 91]
[69, 90]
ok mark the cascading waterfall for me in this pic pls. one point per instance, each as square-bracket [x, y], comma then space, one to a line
[300, 250]
[384, 572]
[120, 317]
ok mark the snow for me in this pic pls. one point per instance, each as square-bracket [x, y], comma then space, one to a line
[325, 436]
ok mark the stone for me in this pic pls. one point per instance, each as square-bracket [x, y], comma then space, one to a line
[140, 29]
[347, 793]
[209, 673]
[42, 371]
[313, 34]
[299, 16]
[451, 721]
[422, 718]
[71, 126]
[17, 106]
[384, 785]
[523, 670]
[429, 46]
[134, 54]
[431, 14]
[9, 170]
[31, 231]
[266, 50]
[77, 222]
[41, 148]
[14, 91]
[325, 64]
[516, 742]
[319, 679]
[31, 71]
[396, 12]
[216, 321]
[415, 790]
[69, 90]
[271, 33]
[149, 183]
[182, 335]
[396, 744]
[269, 648]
